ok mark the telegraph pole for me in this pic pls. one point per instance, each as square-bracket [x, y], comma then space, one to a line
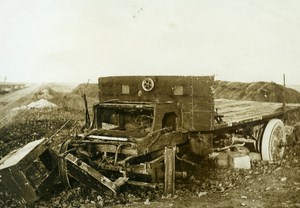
[283, 103]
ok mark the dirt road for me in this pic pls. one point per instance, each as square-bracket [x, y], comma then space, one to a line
[15, 99]
[10, 98]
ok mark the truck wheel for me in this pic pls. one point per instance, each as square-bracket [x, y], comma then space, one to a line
[272, 147]
[62, 166]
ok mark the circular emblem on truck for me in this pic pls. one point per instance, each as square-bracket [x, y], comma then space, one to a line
[148, 84]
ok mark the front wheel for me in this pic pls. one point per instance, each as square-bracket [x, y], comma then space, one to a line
[273, 140]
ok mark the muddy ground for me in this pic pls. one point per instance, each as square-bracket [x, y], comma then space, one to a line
[265, 185]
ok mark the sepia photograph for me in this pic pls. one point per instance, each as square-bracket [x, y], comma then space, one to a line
[149, 103]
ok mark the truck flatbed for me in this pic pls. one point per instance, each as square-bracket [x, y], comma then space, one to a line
[234, 112]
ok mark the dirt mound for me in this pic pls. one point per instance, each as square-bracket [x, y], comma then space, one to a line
[91, 90]
[256, 91]
[42, 103]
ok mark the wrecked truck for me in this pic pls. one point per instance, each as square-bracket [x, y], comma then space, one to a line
[145, 131]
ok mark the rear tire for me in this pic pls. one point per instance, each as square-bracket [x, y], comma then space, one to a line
[274, 137]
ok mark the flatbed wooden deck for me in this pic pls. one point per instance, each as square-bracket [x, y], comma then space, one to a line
[236, 112]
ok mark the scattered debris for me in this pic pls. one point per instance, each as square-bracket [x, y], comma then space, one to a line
[202, 194]
[239, 160]
[283, 179]
[147, 202]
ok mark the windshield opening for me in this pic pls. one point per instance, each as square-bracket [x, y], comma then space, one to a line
[125, 119]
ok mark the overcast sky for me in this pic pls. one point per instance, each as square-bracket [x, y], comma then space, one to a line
[80, 40]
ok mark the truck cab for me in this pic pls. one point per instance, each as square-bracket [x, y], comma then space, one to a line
[139, 118]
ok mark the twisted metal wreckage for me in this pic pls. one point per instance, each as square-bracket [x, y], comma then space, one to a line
[142, 127]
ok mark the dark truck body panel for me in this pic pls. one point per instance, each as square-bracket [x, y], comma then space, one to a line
[193, 94]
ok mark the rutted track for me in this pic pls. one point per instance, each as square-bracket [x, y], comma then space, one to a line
[14, 99]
